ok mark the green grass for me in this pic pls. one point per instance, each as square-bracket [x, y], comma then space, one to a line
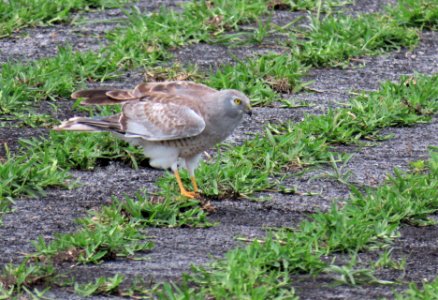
[114, 231]
[161, 212]
[429, 291]
[367, 221]
[145, 41]
[43, 163]
[19, 175]
[16, 14]
[104, 236]
[282, 148]
[72, 150]
[25, 86]
[102, 285]
[421, 14]
[142, 42]
[109, 233]
[335, 40]
[16, 279]
[261, 78]
[259, 163]
[310, 5]
[262, 270]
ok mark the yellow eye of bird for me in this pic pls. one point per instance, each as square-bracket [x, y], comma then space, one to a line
[237, 101]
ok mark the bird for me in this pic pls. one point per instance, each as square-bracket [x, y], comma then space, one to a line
[174, 121]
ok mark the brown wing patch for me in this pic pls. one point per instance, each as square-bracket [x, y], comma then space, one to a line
[90, 93]
[121, 95]
[142, 89]
[154, 91]
[185, 88]
[159, 121]
[103, 96]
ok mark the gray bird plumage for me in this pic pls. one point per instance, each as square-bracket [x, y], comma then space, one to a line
[173, 121]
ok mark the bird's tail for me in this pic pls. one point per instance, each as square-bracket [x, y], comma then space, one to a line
[87, 124]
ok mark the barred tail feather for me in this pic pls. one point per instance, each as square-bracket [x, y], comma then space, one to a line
[86, 124]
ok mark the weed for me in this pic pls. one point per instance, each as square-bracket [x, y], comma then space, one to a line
[113, 231]
[422, 14]
[261, 77]
[5, 207]
[145, 41]
[17, 278]
[82, 151]
[351, 275]
[367, 221]
[102, 285]
[258, 164]
[106, 235]
[23, 85]
[306, 5]
[19, 176]
[175, 72]
[429, 291]
[15, 15]
[386, 261]
[334, 40]
[221, 15]
[162, 212]
[338, 173]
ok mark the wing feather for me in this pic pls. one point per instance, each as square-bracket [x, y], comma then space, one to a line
[155, 121]
[104, 96]
[108, 96]
[153, 111]
[177, 88]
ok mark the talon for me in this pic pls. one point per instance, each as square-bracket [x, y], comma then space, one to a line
[183, 191]
[191, 195]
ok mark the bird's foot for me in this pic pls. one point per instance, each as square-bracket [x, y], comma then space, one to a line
[191, 195]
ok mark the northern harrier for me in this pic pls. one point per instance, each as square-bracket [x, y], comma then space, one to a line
[174, 122]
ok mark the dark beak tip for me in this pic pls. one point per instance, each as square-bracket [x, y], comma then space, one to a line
[250, 113]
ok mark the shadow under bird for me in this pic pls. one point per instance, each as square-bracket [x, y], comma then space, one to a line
[174, 122]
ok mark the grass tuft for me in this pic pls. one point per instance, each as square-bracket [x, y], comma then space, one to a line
[105, 235]
[102, 285]
[368, 220]
[422, 14]
[259, 164]
[335, 40]
[17, 14]
[15, 279]
[73, 150]
[429, 291]
[19, 175]
[161, 212]
[261, 78]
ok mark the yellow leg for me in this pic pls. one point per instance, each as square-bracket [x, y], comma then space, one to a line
[195, 185]
[183, 191]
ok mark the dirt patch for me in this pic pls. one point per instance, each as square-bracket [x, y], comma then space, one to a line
[371, 166]
[365, 6]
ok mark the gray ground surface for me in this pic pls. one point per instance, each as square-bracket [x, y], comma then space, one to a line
[87, 32]
[176, 249]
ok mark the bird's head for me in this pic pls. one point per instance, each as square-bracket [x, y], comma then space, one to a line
[235, 103]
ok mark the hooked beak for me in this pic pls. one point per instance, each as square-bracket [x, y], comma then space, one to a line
[249, 111]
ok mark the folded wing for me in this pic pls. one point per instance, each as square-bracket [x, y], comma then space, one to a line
[156, 121]
[108, 96]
